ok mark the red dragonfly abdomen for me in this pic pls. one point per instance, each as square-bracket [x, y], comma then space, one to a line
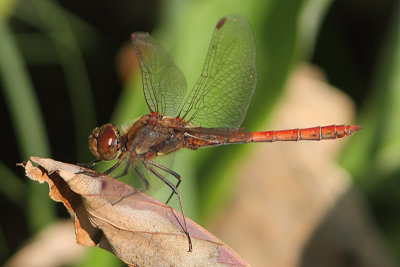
[314, 133]
[203, 137]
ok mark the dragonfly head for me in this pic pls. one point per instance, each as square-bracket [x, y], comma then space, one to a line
[105, 142]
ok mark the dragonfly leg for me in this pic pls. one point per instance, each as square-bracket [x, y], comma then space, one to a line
[126, 170]
[142, 178]
[90, 164]
[175, 191]
[87, 165]
[107, 172]
[176, 175]
[116, 165]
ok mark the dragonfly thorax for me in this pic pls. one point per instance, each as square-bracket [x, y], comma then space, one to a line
[153, 136]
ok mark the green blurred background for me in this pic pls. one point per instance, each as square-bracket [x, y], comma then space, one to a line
[62, 72]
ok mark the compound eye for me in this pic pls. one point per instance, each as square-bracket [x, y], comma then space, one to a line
[105, 142]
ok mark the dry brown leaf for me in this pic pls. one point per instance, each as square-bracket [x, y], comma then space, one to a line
[57, 240]
[140, 230]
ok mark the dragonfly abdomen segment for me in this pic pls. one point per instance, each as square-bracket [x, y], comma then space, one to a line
[204, 137]
[313, 134]
[215, 137]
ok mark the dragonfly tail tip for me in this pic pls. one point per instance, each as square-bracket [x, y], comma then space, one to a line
[354, 128]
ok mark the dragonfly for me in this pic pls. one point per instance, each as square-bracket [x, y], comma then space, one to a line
[210, 115]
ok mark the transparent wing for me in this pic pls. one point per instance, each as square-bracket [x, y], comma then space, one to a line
[138, 173]
[222, 94]
[164, 84]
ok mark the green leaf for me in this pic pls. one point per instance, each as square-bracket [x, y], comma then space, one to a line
[28, 122]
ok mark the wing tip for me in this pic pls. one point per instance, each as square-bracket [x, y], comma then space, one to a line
[138, 35]
[221, 23]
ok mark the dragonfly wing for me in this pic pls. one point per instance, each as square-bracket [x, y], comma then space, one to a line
[138, 176]
[222, 94]
[164, 84]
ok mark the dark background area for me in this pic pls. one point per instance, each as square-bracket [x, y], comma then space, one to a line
[355, 32]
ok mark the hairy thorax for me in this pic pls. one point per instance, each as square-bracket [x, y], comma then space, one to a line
[154, 135]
